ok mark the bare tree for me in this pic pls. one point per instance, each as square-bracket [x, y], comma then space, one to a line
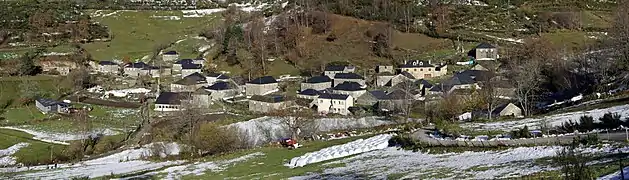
[490, 92]
[299, 122]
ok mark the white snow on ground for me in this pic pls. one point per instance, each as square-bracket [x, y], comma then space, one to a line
[202, 12]
[419, 165]
[616, 175]
[266, 129]
[5, 154]
[205, 48]
[167, 17]
[343, 150]
[552, 120]
[506, 39]
[124, 162]
[57, 54]
[198, 168]
[58, 138]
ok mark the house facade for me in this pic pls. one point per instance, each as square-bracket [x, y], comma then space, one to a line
[267, 104]
[396, 101]
[370, 98]
[308, 94]
[485, 51]
[317, 83]
[189, 83]
[332, 70]
[51, 106]
[391, 80]
[508, 109]
[169, 102]
[423, 69]
[334, 103]
[170, 56]
[261, 86]
[222, 90]
[187, 69]
[385, 69]
[108, 67]
[349, 88]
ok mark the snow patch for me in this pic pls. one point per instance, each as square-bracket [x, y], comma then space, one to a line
[167, 17]
[5, 154]
[125, 162]
[552, 120]
[58, 138]
[343, 150]
[506, 39]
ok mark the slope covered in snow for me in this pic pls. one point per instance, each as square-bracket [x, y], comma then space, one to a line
[266, 129]
[5, 154]
[552, 120]
[616, 175]
[343, 150]
[58, 138]
[125, 162]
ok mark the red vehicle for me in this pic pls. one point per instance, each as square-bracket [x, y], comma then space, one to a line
[289, 143]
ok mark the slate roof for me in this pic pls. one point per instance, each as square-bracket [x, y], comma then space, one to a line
[416, 63]
[196, 76]
[334, 68]
[426, 84]
[378, 94]
[148, 67]
[459, 80]
[136, 65]
[318, 79]
[191, 66]
[185, 61]
[268, 98]
[221, 86]
[192, 79]
[407, 75]
[398, 95]
[263, 80]
[309, 92]
[171, 53]
[348, 86]
[347, 76]
[168, 98]
[334, 96]
[484, 45]
[107, 63]
[213, 74]
[50, 102]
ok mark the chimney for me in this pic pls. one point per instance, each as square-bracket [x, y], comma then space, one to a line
[429, 61]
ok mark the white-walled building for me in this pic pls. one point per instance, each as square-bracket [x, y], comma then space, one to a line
[334, 103]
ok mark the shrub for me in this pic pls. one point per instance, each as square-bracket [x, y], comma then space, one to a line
[586, 123]
[610, 121]
[105, 145]
[211, 139]
[521, 133]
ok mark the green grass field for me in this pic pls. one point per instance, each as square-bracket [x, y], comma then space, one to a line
[36, 151]
[46, 86]
[136, 33]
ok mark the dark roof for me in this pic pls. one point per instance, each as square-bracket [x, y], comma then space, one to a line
[221, 86]
[263, 80]
[50, 102]
[191, 66]
[150, 67]
[407, 75]
[107, 63]
[334, 68]
[348, 86]
[416, 63]
[196, 76]
[334, 96]
[171, 53]
[459, 80]
[440, 88]
[168, 98]
[318, 79]
[397, 95]
[136, 65]
[202, 91]
[425, 83]
[378, 94]
[212, 74]
[309, 92]
[347, 76]
[268, 98]
[185, 61]
[485, 45]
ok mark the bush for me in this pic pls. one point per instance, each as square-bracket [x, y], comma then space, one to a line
[610, 121]
[403, 141]
[211, 139]
[590, 139]
[105, 145]
[521, 133]
[586, 123]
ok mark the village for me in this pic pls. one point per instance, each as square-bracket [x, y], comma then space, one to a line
[344, 90]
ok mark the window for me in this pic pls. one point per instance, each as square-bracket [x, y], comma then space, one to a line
[429, 69]
[414, 69]
[421, 69]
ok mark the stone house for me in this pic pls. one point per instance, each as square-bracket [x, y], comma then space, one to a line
[108, 67]
[201, 98]
[261, 86]
[397, 101]
[385, 69]
[424, 69]
[189, 83]
[222, 90]
[317, 83]
[267, 103]
[171, 101]
[177, 66]
[187, 69]
[503, 110]
[140, 69]
[349, 88]
[340, 78]
[331, 70]
[308, 94]
[170, 56]
[485, 51]
[392, 80]
[216, 77]
[370, 98]
[51, 106]
[334, 103]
